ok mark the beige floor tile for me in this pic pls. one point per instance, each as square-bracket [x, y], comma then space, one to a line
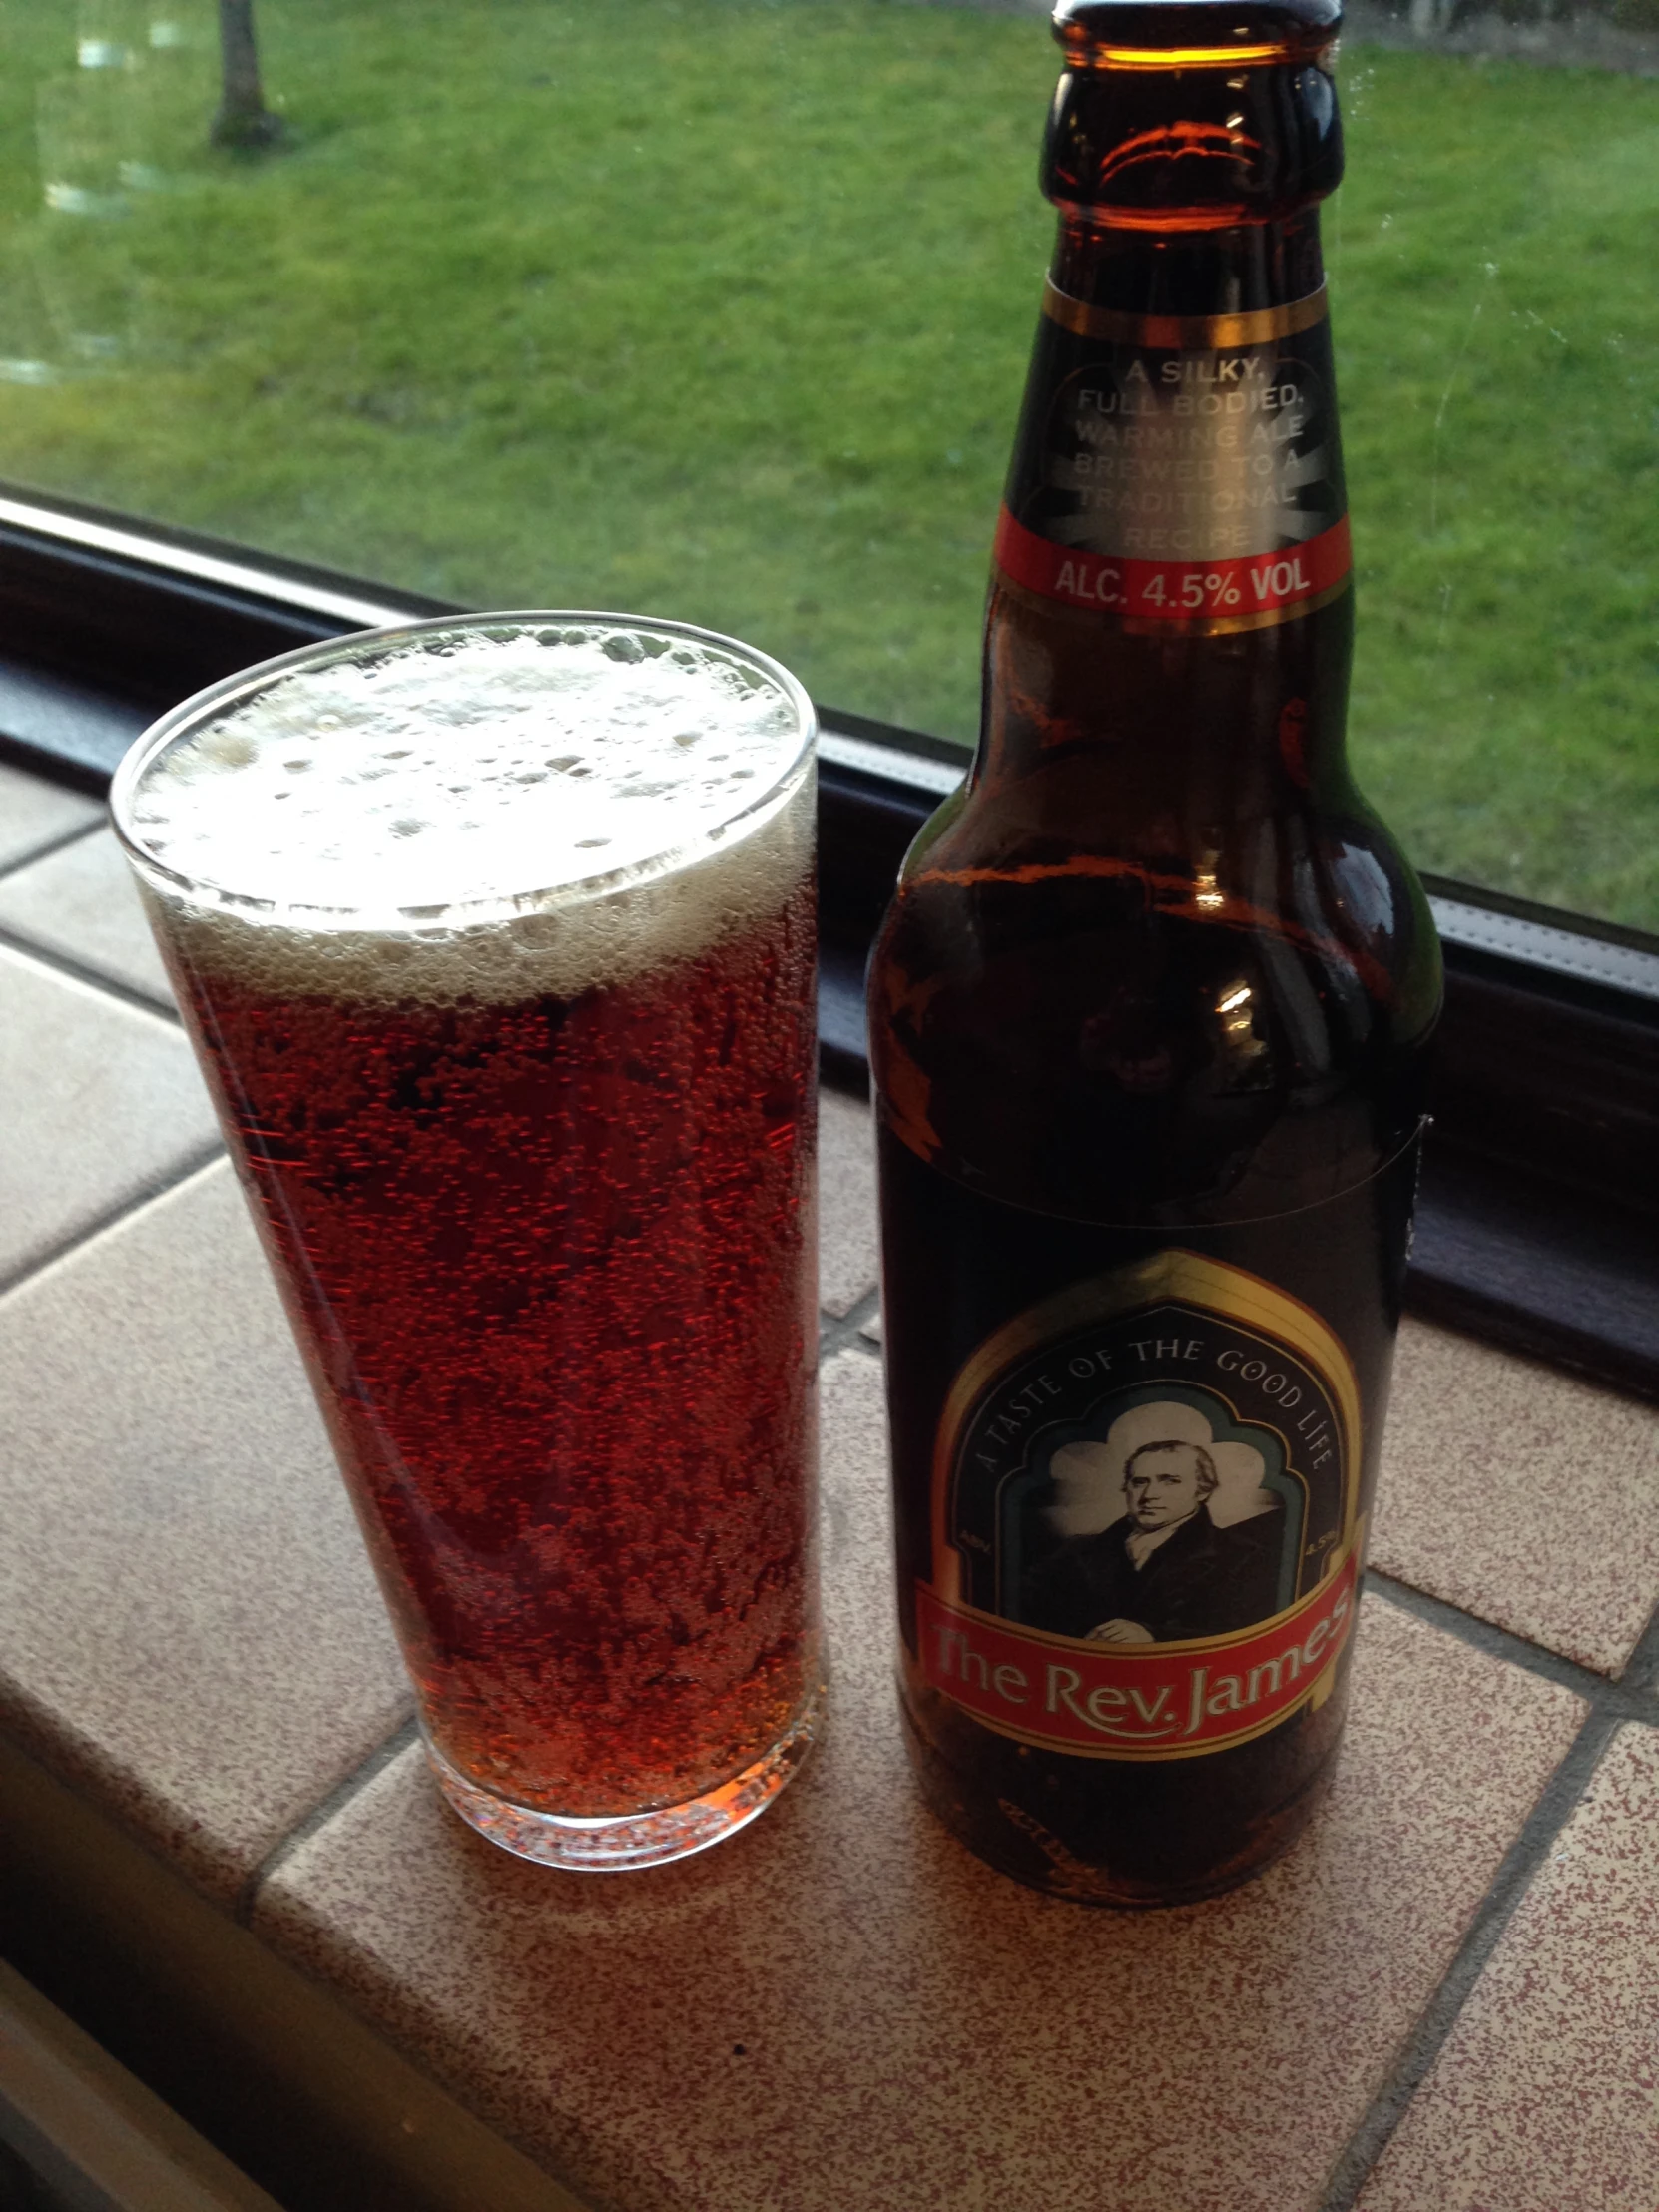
[1545, 2096]
[187, 1623]
[33, 813]
[81, 902]
[840, 2008]
[98, 1102]
[848, 1250]
[1520, 1494]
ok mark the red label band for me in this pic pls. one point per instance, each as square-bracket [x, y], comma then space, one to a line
[1130, 1701]
[1173, 591]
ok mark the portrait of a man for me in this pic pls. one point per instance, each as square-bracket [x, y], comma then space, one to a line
[1170, 1565]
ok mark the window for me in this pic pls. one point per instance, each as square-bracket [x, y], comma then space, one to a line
[721, 309]
[1501, 353]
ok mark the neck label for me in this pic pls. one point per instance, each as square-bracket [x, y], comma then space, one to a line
[1178, 471]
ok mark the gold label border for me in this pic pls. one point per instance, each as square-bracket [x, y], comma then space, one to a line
[1320, 1685]
[1176, 1274]
[1184, 333]
[1318, 1691]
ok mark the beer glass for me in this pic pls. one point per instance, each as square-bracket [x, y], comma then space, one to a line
[494, 936]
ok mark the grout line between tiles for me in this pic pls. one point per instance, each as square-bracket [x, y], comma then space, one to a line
[1525, 1855]
[1625, 1698]
[1639, 1676]
[92, 978]
[841, 1333]
[335, 1800]
[52, 845]
[158, 1186]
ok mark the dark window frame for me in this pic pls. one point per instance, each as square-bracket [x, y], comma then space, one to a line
[1539, 1227]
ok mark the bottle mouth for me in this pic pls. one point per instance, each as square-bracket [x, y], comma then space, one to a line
[1192, 34]
[1193, 114]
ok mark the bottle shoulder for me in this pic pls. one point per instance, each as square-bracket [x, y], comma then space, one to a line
[1317, 868]
[1123, 1022]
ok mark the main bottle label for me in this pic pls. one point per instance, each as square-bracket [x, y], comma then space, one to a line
[1180, 469]
[1145, 1515]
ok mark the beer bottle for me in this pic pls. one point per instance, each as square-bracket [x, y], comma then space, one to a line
[1149, 1022]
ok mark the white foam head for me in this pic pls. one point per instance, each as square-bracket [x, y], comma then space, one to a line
[478, 807]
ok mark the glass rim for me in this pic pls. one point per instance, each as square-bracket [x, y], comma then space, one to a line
[214, 699]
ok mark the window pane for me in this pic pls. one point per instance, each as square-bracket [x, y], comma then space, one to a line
[719, 308]
[1498, 322]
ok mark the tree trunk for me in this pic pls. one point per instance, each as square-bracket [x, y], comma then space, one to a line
[244, 120]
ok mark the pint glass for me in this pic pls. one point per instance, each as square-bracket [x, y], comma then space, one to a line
[495, 938]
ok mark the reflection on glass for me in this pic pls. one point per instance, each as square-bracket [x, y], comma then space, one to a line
[87, 155]
[719, 308]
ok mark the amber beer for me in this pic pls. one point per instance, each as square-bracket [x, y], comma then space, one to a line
[496, 939]
[1148, 1020]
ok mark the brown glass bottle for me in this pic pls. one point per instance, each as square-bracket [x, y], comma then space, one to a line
[1148, 1023]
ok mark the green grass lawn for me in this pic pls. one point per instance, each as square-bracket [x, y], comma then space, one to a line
[721, 309]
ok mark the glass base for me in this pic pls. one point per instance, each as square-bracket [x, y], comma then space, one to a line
[616, 1844]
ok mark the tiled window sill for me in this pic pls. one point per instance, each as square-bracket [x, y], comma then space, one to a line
[1441, 1998]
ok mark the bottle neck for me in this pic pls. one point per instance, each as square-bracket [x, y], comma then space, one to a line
[1167, 744]
[1233, 270]
[1170, 609]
